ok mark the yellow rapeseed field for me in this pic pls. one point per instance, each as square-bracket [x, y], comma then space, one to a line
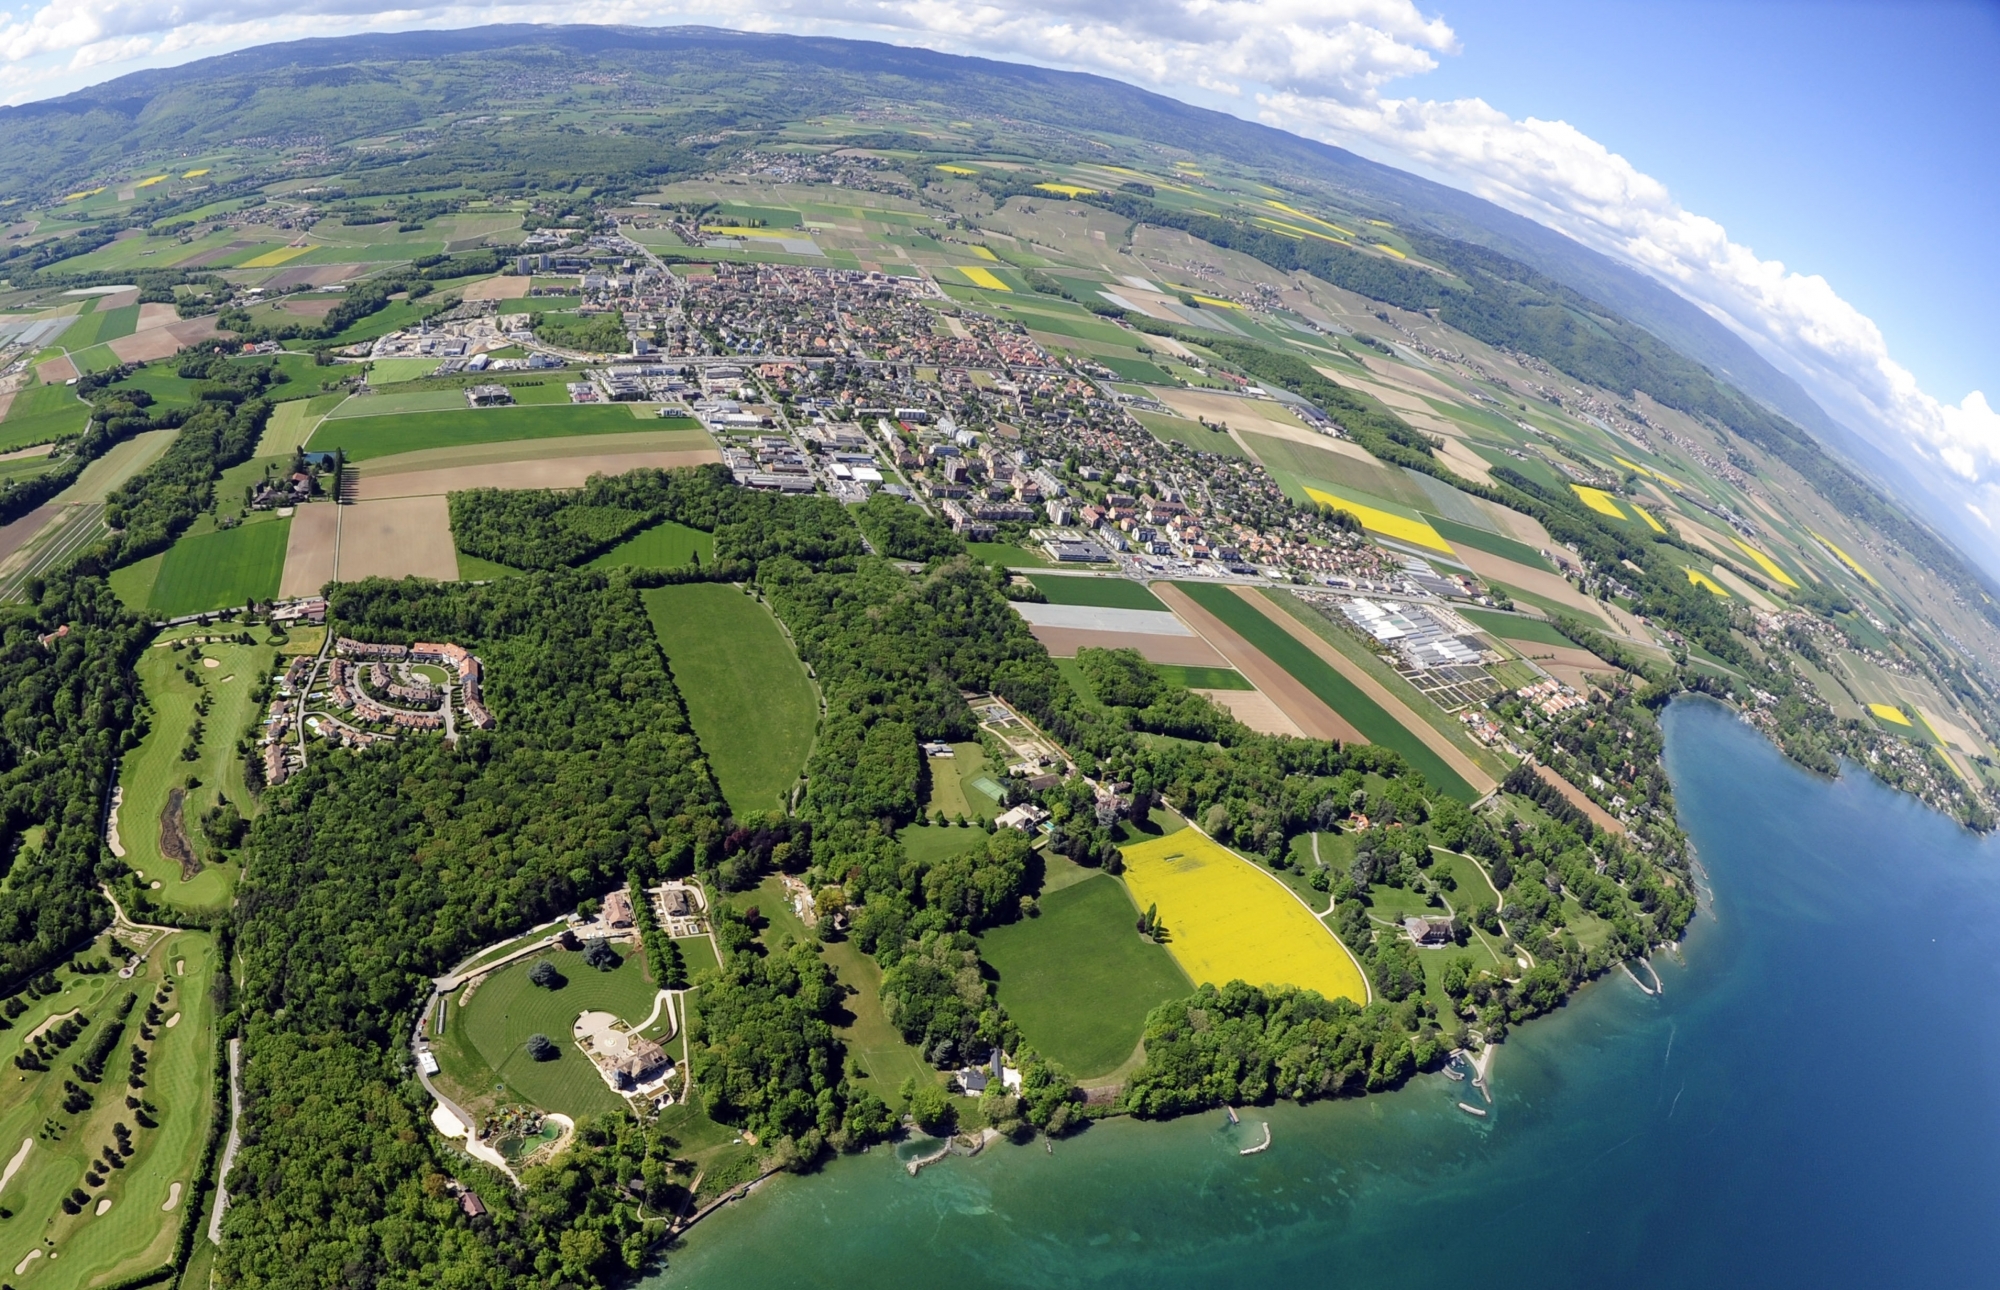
[1647, 516]
[1067, 190]
[958, 170]
[1295, 232]
[1700, 579]
[1598, 500]
[195, 174]
[984, 252]
[271, 259]
[1890, 714]
[983, 278]
[1766, 563]
[1228, 920]
[1387, 524]
[1843, 557]
[148, 183]
[1386, 249]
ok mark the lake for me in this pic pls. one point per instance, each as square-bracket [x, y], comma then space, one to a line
[1815, 1100]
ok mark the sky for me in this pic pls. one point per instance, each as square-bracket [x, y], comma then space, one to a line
[1820, 175]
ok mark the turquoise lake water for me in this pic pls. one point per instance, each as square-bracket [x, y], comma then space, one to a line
[1815, 1101]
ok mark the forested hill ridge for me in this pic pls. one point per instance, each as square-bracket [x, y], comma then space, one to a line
[314, 98]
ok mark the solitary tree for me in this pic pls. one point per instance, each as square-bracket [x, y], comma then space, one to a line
[544, 974]
[541, 1048]
[598, 953]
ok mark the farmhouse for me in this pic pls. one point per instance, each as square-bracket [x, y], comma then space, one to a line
[1431, 931]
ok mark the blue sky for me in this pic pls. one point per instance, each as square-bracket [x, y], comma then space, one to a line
[1858, 141]
[1819, 176]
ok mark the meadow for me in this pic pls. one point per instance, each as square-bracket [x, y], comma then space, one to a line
[135, 1232]
[1333, 689]
[221, 569]
[753, 707]
[384, 436]
[484, 1044]
[952, 790]
[666, 545]
[1079, 979]
[156, 766]
[1227, 920]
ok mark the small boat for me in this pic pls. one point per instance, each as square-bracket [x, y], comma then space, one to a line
[1472, 1110]
[1232, 1114]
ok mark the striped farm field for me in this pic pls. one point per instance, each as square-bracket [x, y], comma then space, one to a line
[1228, 920]
[1415, 532]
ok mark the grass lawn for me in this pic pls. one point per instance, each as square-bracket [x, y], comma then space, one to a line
[930, 843]
[134, 1234]
[952, 789]
[1335, 690]
[666, 545]
[222, 568]
[752, 705]
[403, 400]
[472, 568]
[1079, 980]
[1101, 593]
[157, 766]
[484, 1044]
[1007, 556]
[384, 436]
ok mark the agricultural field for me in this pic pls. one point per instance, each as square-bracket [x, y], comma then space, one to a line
[383, 436]
[221, 568]
[1079, 979]
[42, 413]
[1100, 592]
[1228, 920]
[753, 707]
[1326, 682]
[132, 1215]
[482, 1053]
[159, 770]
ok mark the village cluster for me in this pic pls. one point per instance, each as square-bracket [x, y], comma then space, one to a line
[428, 686]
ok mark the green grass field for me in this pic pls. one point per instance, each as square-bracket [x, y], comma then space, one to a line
[1007, 556]
[42, 413]
[952, 788]
[1333, 689]
[156, 766]
[1514, 627]
[1079, 980]
[1205, 678]
[222, 569]
[666, 545]
[1171, 429]
[1492, 543]
[1102, 593]
[753, 707]
[135, 1233]
[385, 436]
[400, 401]
[484, 1044]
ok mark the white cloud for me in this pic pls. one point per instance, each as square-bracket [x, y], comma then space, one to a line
[1319, 67]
